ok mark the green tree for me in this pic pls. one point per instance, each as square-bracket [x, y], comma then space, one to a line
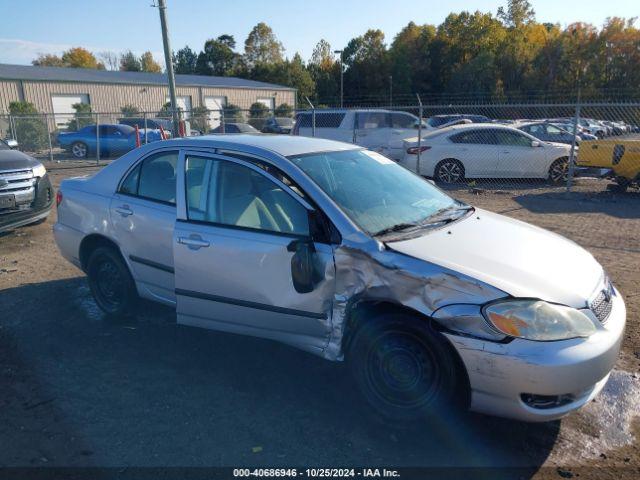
[31, 129]
[368, 70]
[48, 60]
[283, 110]
[518, 13]
[148, 63]
[130, 110]
[200, 119]
[82, 117]
[129, 62]
[324, 71]
[233, 113]
[262, 46]
[258, 110]
[184, 61]
[218, 57]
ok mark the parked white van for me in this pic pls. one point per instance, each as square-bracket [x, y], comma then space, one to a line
[380, 130]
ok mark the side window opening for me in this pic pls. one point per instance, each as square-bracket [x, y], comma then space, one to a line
[225, 193]
[153, 179]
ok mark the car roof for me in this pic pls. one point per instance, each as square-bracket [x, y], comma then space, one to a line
[285, 145]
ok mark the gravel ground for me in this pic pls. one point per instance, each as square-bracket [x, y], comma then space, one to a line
[77, 391]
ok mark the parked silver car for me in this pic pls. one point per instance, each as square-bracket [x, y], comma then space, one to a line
[341, 252]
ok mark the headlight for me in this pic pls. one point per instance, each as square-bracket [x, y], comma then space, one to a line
[538, 320]
[39, 171]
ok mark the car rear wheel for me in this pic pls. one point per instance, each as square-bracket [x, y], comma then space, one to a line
[559, 171]
[404, 368]
[449, 171]
[79, 150]
[111, 283]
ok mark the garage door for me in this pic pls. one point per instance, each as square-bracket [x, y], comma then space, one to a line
[215, 106]
[63, 107]
[184, 104]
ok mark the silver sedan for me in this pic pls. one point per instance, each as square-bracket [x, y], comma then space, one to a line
[341, 252]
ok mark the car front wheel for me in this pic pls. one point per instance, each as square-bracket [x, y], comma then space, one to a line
[79, 150]
[404, 368]
[110, 282]
[449, 171]
[559, 171]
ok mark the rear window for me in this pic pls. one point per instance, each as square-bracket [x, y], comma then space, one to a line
[323, 120]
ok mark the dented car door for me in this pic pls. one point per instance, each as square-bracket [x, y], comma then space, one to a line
[235, 244]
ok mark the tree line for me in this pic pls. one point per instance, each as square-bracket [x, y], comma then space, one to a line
[506, 55]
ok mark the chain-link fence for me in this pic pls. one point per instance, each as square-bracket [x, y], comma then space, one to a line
[477, 145]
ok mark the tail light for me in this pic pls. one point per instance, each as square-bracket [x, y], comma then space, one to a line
[58, 198]
[414, 150]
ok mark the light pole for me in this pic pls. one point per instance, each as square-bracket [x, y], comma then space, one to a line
[162, 7]
[341, 78]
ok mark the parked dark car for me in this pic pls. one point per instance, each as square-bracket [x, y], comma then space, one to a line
[235, 128]
[26, 194]
[152, 123]
[114, 140]
[281, 125]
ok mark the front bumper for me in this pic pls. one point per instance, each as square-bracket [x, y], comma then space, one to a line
[500, 373]
[36, 211]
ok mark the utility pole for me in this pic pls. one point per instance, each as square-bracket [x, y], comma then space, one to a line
[162, 7]
[390, 90]
[341, 78]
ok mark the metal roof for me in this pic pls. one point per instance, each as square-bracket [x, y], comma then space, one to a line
[86, 75]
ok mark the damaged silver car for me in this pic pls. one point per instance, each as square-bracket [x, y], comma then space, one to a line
[343, 253]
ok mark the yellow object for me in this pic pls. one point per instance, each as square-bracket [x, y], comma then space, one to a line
[621, 156]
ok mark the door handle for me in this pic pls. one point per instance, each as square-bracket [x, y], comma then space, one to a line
[124, 210]
[194, 242]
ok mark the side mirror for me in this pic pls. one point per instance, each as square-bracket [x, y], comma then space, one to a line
[302, 270]
[535, 143]
[12, 144]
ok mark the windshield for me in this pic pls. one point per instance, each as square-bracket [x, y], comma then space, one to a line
[375, 192]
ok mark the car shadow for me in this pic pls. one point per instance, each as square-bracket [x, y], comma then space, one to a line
[619, 205]
[147, 392]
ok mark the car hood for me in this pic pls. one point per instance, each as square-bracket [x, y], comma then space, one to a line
[520, 259]
[13, 159]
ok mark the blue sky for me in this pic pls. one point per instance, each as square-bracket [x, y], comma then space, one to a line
[44, 26]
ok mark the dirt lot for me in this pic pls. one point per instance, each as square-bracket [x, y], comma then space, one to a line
[77, 391]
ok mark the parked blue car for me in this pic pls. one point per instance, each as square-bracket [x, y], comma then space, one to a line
[114, 140]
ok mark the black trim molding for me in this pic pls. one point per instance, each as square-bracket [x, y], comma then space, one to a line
[152, 264]
[247, 304]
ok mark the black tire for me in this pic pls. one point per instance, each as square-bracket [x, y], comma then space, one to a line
[449, 171]
[79, 150]
[559, 171]
[111, 283]
[405, 369]
[621, 185]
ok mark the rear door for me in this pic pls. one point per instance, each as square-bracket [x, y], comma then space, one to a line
[373, 130]
[232, 261]
[403, 126]
[143, 213]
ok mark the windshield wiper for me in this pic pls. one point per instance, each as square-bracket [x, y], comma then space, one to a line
[446, 214]
[395, 228]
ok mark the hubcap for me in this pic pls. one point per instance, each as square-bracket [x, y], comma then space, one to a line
[559, 171]
[401, 371]
[449, 172]
[79, 150]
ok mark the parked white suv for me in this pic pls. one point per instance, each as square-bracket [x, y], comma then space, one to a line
[478, 150]
[382, 131]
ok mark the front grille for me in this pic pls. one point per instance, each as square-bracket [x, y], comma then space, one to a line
[602, 303]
